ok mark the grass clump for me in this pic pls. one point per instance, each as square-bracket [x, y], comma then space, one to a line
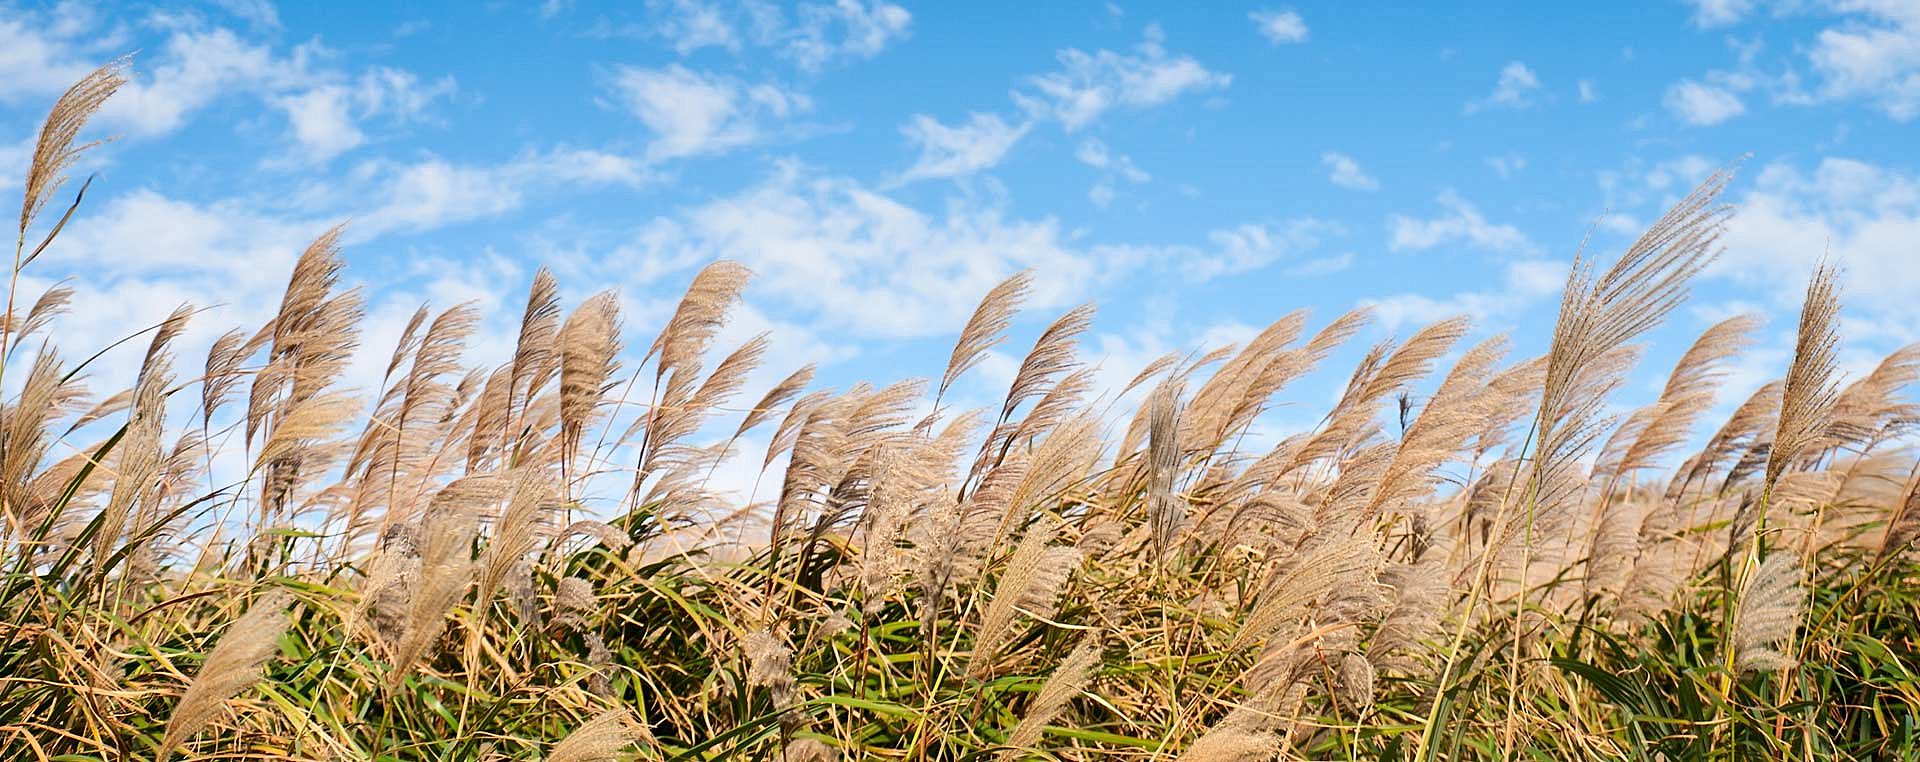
[527, 561]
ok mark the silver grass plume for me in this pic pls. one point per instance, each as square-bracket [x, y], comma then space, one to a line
[987, 328]
[1808, 397]
[1770, 608]
[1067, 683]
[55, 151]
[1165, 513]
[1031, 582]
[602, 739]
[233, 666]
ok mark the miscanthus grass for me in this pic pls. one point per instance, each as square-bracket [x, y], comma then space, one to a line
[1469, 556]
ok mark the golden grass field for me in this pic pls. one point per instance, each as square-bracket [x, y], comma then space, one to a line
[1468, 557]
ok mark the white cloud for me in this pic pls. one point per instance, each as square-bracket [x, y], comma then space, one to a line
[1860, 216]
[846, 29]
[694, 114]
[694, 24]
[13, 162]
[197, 65]
[1242, 248]
[1514, 90]
[194, 68]
[260, 13]
[326, 120]
[1113, 167]
[1877, 57]
[1089, 84]
[817, 36]
[957, 151]
[321, 121]
[1346, 173]
[1867, 49]
[1701, 104]
[1588, 92]
[1101, 194]
[1462, 224]
[1280, 27]
[32, 63]
[1507, 165]
[434, 193]
[860, 262]
[1248, 247]
[1711, 13]
[1523, 284]
[1093, 153]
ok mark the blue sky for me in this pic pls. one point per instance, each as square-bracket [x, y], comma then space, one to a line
[1198, 170]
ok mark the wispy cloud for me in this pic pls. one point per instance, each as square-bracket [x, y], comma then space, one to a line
[959, 150]
[1280, 27]
[1343, 171]
[692, 113]
[1514, 90]
[1090, 84]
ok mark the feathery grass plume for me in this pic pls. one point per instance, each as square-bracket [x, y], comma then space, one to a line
[140, 461]
[138, 469]
[1689, 392]
[986, 329]
[536, 354]
[1413, 617]
[43, 396]
[1165, 513]
[1320, 569]
[51, 304]
[1069, 680]
[1455, 412]
[222, 372]
[312, 338]
[1600, 315]
[303, 317]
[573, 600]
[55, 151]
[1356, 680]
[233, 666]
[1032, 581]
[530, 503]
[489, 417]
[1054, 353]
[770, 403]
[1752, 420]
[391, 576]
[409, 340]
[1808, 395]
[787, 432]
[1379, 376]
[890, 497]
[679, 415]
[1210, 414]
[1903, 524]
[701, 313]
[831, 455]
[1870, 411]
[807, 750]
[446, 568]
[604, 738]
[1228, 743]
[402, 449]
[1055, 466]
[588, 342]
[1770, 608]
[440, 587]
[770, 666]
